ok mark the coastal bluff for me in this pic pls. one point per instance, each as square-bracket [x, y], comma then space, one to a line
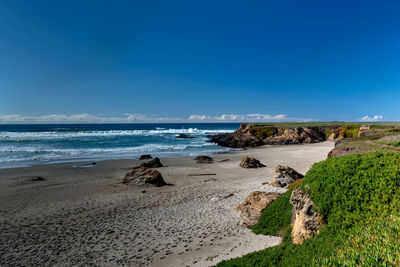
[253, 135]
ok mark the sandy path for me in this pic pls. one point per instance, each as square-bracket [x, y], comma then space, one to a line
[86, 216]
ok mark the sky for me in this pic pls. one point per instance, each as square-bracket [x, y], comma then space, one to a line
[199, 61]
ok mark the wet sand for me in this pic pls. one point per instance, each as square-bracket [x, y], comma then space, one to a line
[86, 216]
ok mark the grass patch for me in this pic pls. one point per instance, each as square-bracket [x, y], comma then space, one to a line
[276, 217]
[358, 197]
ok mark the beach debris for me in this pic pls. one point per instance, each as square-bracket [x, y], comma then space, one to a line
[225, 196]
[251, 208]
[203, 159]
[201, 174]
[143, 177]
[284, 176]
[154, 163]
[88, 165]
[306, 221]
[210, 180]
[36, 178]
[145, 156]
[223, 160]
[184, 136]
[250, 162]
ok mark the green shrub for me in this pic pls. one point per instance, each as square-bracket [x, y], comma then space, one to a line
[350, 130]
[359, 198]
[264, 132]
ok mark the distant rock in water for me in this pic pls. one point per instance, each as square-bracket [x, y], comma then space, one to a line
[251, 208]
[203, 159]
[154, 163]
[250, 162]
[284, 176]
[306, 221]
[144, 177]
[184, 136]
[146, 156]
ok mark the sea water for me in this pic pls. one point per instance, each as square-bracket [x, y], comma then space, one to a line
[26, 145]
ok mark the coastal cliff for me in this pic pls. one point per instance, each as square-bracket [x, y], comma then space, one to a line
[253, 135]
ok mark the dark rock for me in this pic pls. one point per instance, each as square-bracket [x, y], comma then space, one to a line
[144, 177]
[184, 136]
[250, 162]
[154, 163]
[146, 156]
[203, 159]
[236, 140]
[284, 176]
[36, 178]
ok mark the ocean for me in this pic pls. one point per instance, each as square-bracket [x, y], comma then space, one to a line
[27, 145]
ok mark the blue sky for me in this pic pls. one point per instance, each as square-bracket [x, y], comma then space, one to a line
[164, 61]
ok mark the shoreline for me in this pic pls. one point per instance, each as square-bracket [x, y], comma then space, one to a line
[85, 215]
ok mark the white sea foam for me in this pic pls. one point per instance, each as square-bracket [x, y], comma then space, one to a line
[18, 136]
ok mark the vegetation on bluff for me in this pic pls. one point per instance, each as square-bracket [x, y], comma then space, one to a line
[358, 197]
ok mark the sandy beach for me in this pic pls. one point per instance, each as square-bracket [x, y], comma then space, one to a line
[86, 216]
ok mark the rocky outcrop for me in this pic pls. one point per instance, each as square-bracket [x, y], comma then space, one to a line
[341, 151]
[306, 221]
[154, 163]
[203, 160]
[249, 135]
[300, 135]
[250, 162]
[284, 176]
[362, 130]
[146, 156]
[251, 208]
[144, 177]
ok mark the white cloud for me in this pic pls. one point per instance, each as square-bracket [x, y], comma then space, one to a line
[140, 118]
[374, 118]
[82, 118]
[239, 118]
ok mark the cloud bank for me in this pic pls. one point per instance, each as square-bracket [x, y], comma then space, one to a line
[372, 119]
[138, 118]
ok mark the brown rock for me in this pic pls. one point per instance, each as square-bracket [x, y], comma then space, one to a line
[144, 177]
[306, 221]
[362, 130]
[250, 162]
[203, 159]
[251, 208]
[154, 163]
[284, 176]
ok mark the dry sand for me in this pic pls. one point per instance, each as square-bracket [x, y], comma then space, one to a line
[85, 216]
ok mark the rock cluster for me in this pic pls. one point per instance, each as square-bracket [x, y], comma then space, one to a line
[184, 136]
[250, 162]
[144, 177]
[251, 208]
[203, 159]
[284, 176]
[306, 221]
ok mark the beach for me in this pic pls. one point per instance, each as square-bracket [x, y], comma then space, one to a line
[86, 216]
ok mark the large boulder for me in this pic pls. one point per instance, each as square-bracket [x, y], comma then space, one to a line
[184, 136]
[306, 221]
[203, 159]
[250, 162]
[251, 208]
[144, 177]
[284, 176]
[154, 163]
